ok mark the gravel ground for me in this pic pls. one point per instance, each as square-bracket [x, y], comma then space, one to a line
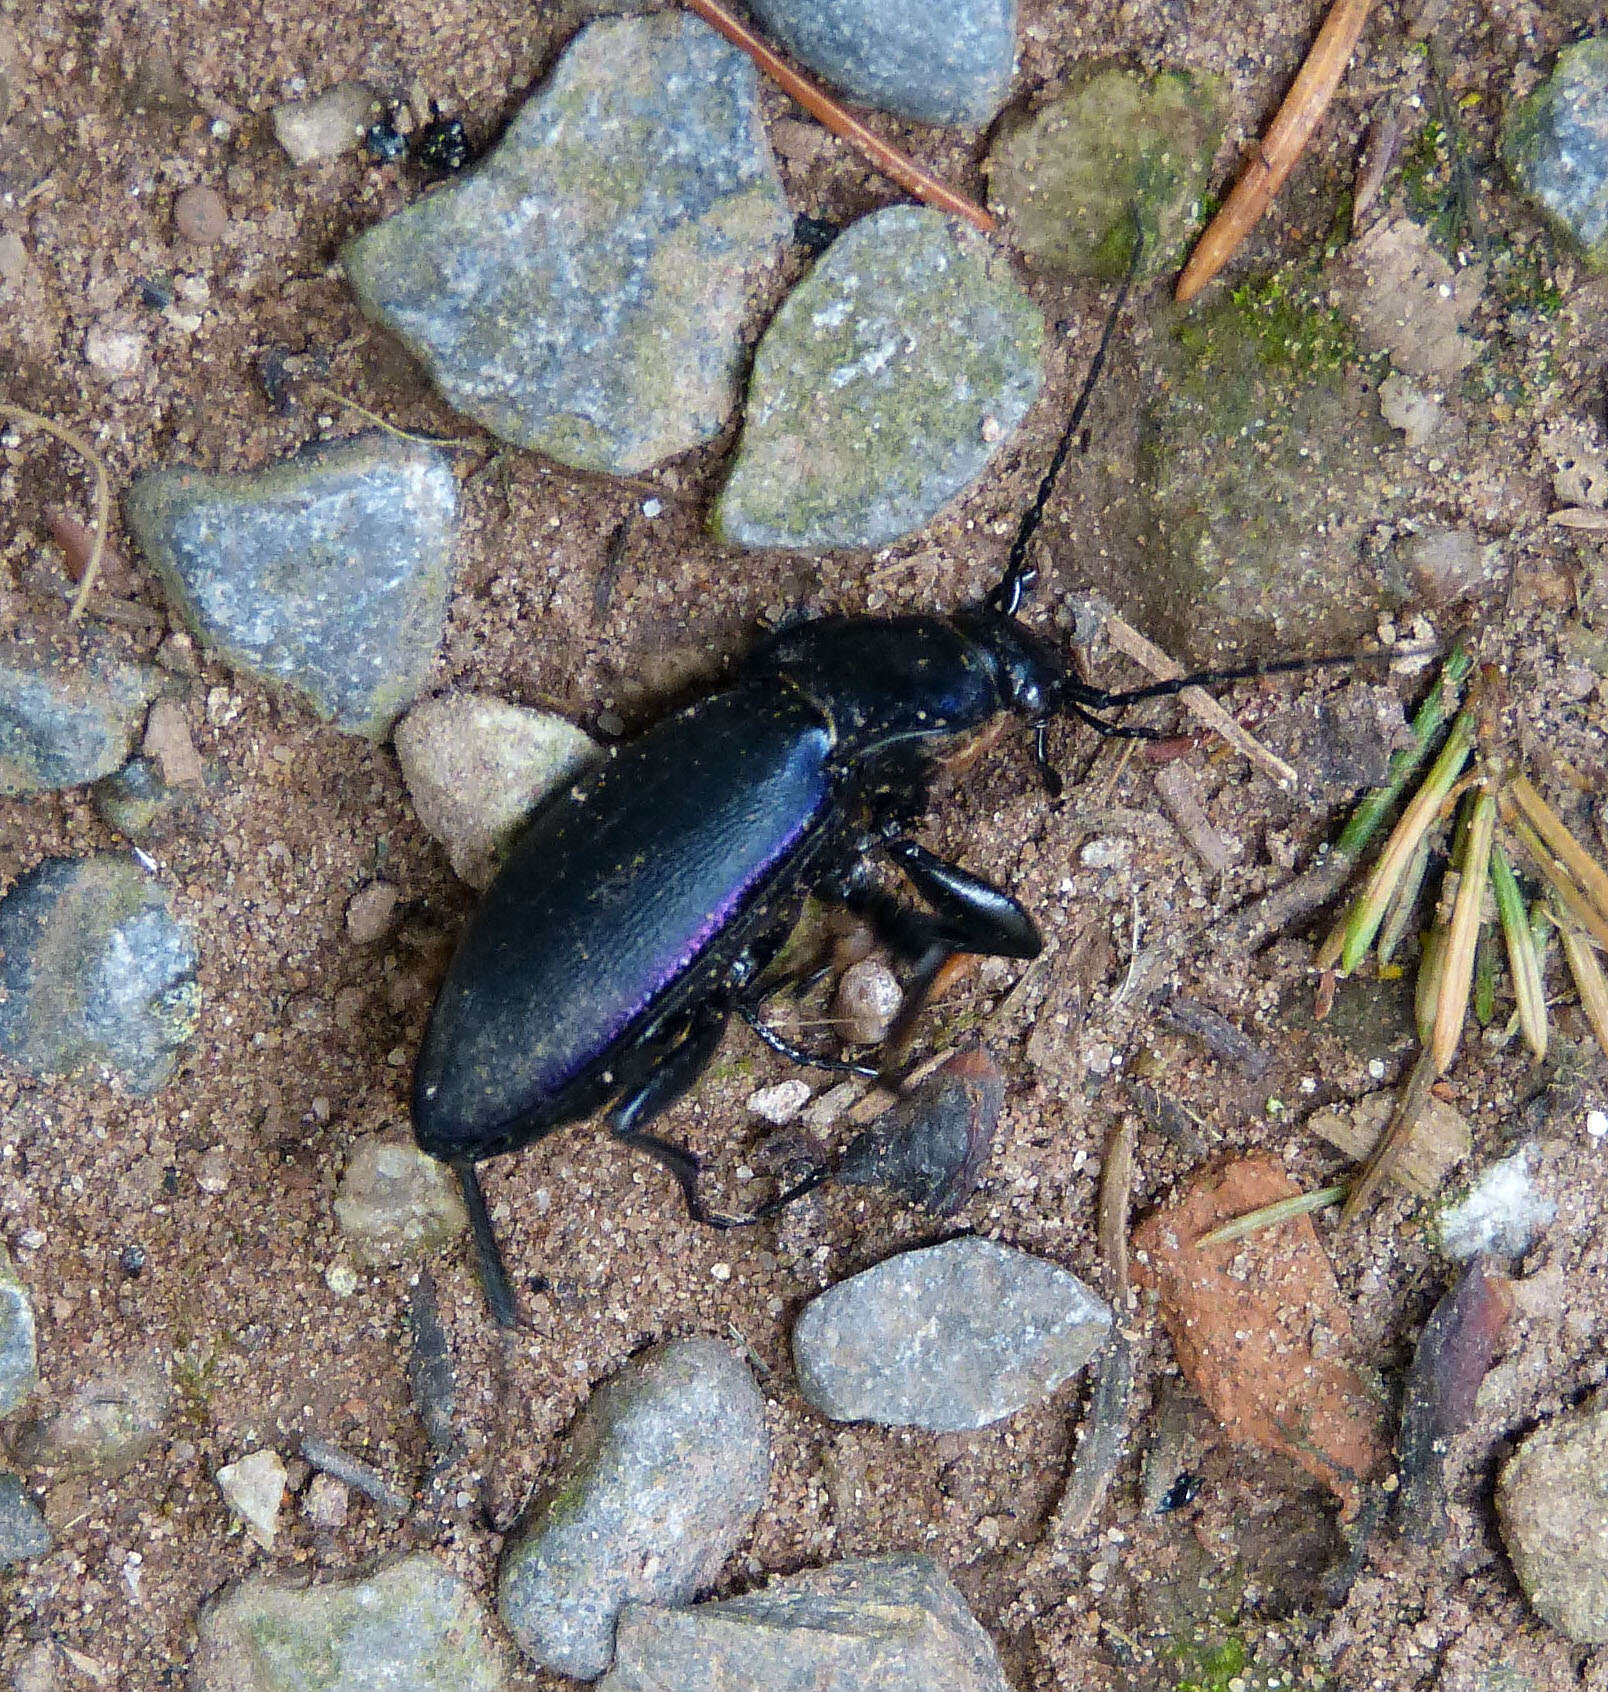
[226, 1177]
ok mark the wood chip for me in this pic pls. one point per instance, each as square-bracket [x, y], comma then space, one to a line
[1179, 793]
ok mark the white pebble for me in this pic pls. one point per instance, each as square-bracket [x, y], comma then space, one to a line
[1597, 1123]
[781, 1103]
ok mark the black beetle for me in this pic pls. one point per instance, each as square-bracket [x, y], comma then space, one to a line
[641, 907]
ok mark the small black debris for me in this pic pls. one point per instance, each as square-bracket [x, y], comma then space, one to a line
[814, 234]
[384, 142]
[442, 145]
[1184, 1490]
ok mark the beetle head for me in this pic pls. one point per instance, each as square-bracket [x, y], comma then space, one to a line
[1030, 675]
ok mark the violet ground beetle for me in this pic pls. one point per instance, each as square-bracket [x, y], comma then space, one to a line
[640, 908]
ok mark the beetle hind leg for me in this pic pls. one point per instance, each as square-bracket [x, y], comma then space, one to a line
[489, 1263]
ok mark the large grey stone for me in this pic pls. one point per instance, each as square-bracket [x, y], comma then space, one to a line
[1070, 180]
[97, 975]
[1555, 146]
[583, 291]
[66, 717]
[19, 1346]
[890, 377]
[945, 61]
[1552, 1502]
[893, 1623]
[327, 575]
[662, 1475]
[951, 1337]
[410, 1626]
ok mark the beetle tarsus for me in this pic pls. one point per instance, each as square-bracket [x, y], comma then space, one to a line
[805, 1059]
[489, 1263]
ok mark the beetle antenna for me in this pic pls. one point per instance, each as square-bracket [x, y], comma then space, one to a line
[1081, 700]
[1021, 575]
[493, 1271]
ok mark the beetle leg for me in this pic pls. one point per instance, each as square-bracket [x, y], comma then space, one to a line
[489, 1263]
[808, 1060]
[974, 914]
[665, 1082]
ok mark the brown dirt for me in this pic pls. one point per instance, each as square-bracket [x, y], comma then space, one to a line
[306, 1039]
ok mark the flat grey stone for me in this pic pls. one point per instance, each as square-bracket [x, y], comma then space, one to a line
[410, 1626]
[661, 1477]
[893, 1623]
[582, 292]
[1555, 146]
[951, 1337]
[97, 974]
[327, 575]
[23, 1531]
[1552, 1502]
[890, 377]
[66, 717]
[106, 1426]
[1255, 473]
[1067, 180]
[945, 61]
[19, 1346]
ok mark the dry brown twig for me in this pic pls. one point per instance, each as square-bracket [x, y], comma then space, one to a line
[1275, 155]
[103, 496]
[826, 111]
[1127, 639]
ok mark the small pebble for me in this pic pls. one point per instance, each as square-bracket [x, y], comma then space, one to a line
[781, 1103]
[253, 1488]
[200, 215]
[1596, 1123]
[867, 1000]
[332, 123]
[167, 740]
[325, 1502]
[371, 912]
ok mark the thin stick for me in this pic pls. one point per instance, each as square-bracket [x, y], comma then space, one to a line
[1393, 1142]
[103, 496]
[825, 110]
[1275, 155]
[1128, 640]
[458, 443]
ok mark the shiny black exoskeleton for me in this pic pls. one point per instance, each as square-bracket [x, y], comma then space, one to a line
[640, 907]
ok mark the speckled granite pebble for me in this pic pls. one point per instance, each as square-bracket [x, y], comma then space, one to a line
[896, 1624]
[583, 291]
[326, 575]
[1552, 1502]
[661, 1476]
[97, 974]
[890, 377]
[944, 61]
[19, 1346]
[66, 716]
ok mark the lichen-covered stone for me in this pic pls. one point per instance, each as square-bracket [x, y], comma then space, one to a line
[944, 61]
[1555, 146]
[97, 975]
[661, 1476]
[582, 292]
[952, 1337]
[66, 717]
[890, 377]
[327, 575]
[1257, 468]
[19, 1345]
[1067, 180]
[1552, 1502]
[894, 1623]
[411, 1626]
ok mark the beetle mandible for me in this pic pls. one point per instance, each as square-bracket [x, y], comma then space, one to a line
[639, 908]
